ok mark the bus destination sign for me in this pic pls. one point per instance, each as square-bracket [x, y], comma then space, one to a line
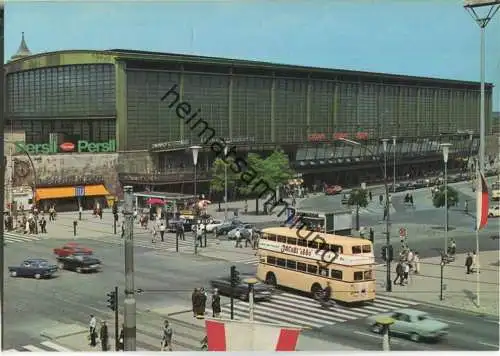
[319, 255]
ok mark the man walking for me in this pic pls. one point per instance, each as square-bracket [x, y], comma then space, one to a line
[166, 341]
[92, 330]
[468, 263]
[216, 304]
[162, 232]
[104, 336]
[399, 274]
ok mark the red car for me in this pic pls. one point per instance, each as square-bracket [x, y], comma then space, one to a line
[71, 248]
[333, 189]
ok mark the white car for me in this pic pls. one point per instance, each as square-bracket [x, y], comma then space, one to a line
[494, 212]
[213, 225]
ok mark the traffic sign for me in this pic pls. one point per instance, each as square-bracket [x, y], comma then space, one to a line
[80, 191]
[402, 232]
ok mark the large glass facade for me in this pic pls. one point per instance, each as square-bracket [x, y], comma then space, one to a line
[64, 91]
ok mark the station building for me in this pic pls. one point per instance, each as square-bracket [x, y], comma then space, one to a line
[122, 115]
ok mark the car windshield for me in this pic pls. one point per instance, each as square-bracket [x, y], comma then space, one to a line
[423, 317]
[42, 264]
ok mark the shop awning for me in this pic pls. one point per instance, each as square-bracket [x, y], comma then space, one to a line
[96, 190]
[54, 193]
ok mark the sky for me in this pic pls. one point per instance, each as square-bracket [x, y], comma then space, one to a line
[431, 38]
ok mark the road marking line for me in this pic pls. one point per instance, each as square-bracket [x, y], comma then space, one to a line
[488, 344]
[397, 300]
[376, 336]
[33, 348]
[11, 350]
[449, 321]
[56, 347]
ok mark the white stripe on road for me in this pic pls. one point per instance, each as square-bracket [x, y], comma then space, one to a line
[56, 347]
[385, 297]
[488, 344]
[11, 350]
[33, 348]
[449, 321]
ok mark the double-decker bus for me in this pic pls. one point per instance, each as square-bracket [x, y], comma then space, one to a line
[306, 261]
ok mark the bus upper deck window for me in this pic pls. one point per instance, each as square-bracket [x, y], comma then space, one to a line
[281, 239]
[358, 276]
[312, 269]
[302, 242]
[336, 248]
[367, 249]
[291, 241]
[312, 244]
[271, 237]
[356, 250]
[264, 236]
[323, 272]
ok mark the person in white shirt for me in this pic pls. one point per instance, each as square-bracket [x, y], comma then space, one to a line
[92, 330]
[406, 273]
[237, 236]
[416, 262]
[162, 232]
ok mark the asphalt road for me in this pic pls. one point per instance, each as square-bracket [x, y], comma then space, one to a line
[467, 332]
[33, 305]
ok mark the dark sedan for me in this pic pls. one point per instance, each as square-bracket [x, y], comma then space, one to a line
[399, 188]
[227, 226]
[79, 263]
[261, 291]
[35, 268]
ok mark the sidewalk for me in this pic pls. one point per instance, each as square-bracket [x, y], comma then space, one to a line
[459, 288]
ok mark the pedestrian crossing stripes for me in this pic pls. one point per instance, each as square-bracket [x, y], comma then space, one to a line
[14, 237]
[375, 209]
[49, 346]
[306, 312]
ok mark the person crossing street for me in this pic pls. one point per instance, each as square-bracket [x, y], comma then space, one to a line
[166, 341]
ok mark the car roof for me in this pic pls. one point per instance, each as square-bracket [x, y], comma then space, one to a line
[413, 312]
[39, 260]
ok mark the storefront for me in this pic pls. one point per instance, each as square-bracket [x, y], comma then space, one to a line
[69, 198]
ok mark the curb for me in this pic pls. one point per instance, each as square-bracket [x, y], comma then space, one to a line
[62, 335]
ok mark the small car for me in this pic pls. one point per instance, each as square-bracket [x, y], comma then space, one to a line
[34, 267]
[227, 226]
[71, 248]
[415, 324]
[333, 190]
[262, 291]
[494, 212]
[79, 263]
[213, 225]
[243, 229]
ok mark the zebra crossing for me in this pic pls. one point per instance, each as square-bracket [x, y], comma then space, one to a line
[14, 237]
[305, 312]
[45, 346]
[374, 208]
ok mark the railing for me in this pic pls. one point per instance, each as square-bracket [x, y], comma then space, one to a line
[164, 177]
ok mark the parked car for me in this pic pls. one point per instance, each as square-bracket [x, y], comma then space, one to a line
[35, 268]
[71, 248]
[262, 291]
[399, 188]
[79, 263]
[419, 183]
[415, 324]
[494, 212]
[227, 226]
[187, 223]
[231, 235]
[214, 225]
[333, 190]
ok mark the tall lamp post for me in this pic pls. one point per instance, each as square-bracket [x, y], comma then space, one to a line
[388, 284]
[394, 164]
[225, 185]
[446, 151]
[482, 20]
[195, 150]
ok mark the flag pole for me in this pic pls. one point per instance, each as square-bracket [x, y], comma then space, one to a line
[478, 283]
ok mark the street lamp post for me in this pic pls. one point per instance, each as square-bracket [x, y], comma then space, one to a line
[225, 185]
[394, 164]
[482, 20]
[446, 151]
[129, 302]
[388, 284]
[195, 150]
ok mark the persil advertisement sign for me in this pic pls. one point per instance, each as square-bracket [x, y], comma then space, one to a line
[80, 146]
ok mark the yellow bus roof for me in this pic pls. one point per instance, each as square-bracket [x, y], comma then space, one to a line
[312, 235]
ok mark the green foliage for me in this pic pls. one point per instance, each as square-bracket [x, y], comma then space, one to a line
[217, 184]
[439, 197]
[358, 198]
[274, 170]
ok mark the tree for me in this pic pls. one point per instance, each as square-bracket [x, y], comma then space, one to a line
[217, 184]
[439, 201]
[359, 199]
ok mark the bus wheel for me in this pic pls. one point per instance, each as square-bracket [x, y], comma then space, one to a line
[271, 279]
[316, 289]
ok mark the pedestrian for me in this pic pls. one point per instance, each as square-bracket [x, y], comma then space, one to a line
[247, 234]
[203, 301]
[121, 339]
[385, 213]
[182, 232]
[468, 263]
[166, 341]
[100, 213]
[199, 235]
[237, 236]
[453, 247]
[123, 230]
[466, 206]
[370, 196]
[399, 274]
[409, 258]
[43, 225]
[406, 273]
[372, 235]
[162, 232]
[92, 330]
[255, 240]
[104, 336]
[416, 262]
[380, 199]
[153, 234]
[193, 300]
[216, 304]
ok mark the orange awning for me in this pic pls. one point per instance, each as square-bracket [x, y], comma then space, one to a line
[96, 190]
[54, 193]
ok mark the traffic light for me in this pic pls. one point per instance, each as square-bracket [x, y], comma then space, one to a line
[112, 300]
[235, 276]
[387, 253]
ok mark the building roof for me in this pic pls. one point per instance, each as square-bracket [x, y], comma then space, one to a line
[23, 50]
